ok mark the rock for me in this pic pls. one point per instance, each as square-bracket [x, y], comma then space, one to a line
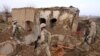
[7, 47]
[28, 39]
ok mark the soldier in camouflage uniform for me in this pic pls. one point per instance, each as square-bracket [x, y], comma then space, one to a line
[92, 29]
[86, 34]
[16, 32]
[90, 32]
[44, 41]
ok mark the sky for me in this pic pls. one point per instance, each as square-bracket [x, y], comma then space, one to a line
[86, 7]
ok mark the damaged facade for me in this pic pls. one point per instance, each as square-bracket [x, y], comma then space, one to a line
[54, 17]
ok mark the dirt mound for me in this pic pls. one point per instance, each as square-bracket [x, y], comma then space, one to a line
[5, 35]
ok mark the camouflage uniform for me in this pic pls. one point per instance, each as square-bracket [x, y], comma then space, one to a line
[16, 32]
[89, 34]
[92, 31]
[86, 34]
[44, 42]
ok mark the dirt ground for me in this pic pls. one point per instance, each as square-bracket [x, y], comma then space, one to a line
[76, 51]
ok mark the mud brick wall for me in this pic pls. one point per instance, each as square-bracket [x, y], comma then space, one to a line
[22, 15]
[55, 17]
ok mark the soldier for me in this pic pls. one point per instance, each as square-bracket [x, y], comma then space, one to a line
[92, 31]
[44, 41]
[86, 34]
[16, 32]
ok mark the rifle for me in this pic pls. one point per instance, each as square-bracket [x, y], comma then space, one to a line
[36, 42]
[86, 35]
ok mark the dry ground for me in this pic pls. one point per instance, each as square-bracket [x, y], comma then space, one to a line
[77, 51]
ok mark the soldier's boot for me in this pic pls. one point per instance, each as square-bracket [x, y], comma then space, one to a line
[48, 51]
[37, 51]
[90, 40]
[17, 40]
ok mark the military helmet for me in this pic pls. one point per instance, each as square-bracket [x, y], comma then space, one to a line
[42, 25]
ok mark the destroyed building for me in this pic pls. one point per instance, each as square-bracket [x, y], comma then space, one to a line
[54, 17]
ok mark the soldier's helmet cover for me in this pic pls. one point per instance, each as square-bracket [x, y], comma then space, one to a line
[14, 21]
[42, 25]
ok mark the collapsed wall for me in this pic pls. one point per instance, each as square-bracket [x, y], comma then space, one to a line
[58, 17]
[54, 17]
